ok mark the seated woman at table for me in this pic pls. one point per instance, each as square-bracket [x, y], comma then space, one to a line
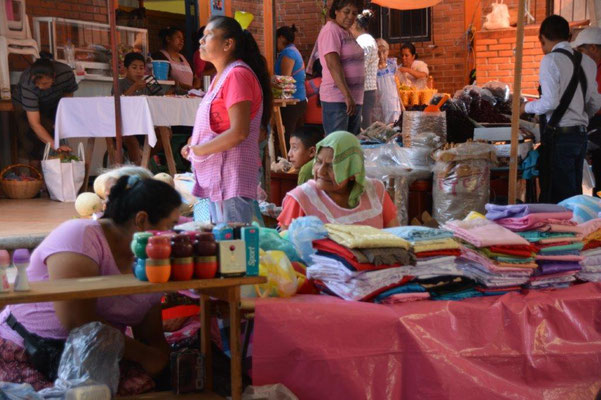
[36, 98]
[83, 248]
[412, 72]
[180, 70]
[340, 192]
[224, 147]
[134, 85]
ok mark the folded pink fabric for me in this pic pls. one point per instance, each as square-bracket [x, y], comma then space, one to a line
[576, 238]
[405, 297]
[589, 227]
[484, 233]
[561, 228]
[533, 221]
[490, 265]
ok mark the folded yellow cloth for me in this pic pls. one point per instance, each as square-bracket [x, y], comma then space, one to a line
[364, 237]
[434, 245]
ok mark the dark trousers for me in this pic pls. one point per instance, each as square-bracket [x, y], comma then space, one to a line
[561, 159]
[293, 118]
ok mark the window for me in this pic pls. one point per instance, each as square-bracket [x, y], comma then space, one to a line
[397, 26]
[572, 10]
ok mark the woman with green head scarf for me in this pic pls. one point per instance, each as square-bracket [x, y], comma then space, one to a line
[339, 191]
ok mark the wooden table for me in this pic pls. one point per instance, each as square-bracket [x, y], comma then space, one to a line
[279, 124]
[8, 145]
[117, 285]
[25, 223]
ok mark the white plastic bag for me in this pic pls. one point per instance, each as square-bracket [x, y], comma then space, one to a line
[64, 179]
[588, 179]
[498, 18]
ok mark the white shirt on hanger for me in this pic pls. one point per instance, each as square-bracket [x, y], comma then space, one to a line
[555, 73]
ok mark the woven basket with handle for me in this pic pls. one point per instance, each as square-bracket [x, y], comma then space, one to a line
[21, 189]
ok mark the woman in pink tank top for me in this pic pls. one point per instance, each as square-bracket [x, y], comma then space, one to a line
[82, 248]
[224, 147]
[340, 192]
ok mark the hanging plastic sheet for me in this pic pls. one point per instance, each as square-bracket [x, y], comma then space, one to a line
[541, 345]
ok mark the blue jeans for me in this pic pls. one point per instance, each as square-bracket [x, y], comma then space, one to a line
[236, 209]
[335, 118]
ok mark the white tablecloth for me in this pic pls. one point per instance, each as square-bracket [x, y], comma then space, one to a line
[95, 116]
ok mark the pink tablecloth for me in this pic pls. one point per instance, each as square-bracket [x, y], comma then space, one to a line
[542, 345]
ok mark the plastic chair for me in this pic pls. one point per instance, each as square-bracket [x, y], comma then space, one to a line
[15, 37]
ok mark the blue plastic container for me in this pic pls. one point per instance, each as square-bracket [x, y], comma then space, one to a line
[140, 269]
[160, 70]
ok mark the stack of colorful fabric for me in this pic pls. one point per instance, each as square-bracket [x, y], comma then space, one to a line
[557, 239]
[359, 262]
[435, 250]
[492, 255]
[591, 251]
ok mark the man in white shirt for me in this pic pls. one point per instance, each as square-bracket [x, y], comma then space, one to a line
[564, 139]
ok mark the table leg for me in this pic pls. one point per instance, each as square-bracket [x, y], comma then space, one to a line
[110, 148]
[165, 133]
[236, 354]
[88, 163]
[145, 153]
[205, 339]
[279, 127]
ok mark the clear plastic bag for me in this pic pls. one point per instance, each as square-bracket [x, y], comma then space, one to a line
[281, 276]
[91, 356]
[302, 232]
[498, 18]
[18, 391]
[499, 90]
[416, 122]
[461, 181]
[270, 239]
[268, 392]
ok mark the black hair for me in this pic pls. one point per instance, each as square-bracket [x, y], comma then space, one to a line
[410, 47]
[46, 54]
[154, 197]
[338, 5]
[42, 67]
[131, 57]
[247, 50]
[317, 69]
[364, 18]
[555, 28]
[309, 135]
[167, 33]
[287, 32]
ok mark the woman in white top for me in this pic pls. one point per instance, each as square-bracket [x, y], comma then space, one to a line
[370, 52]
[412, 72]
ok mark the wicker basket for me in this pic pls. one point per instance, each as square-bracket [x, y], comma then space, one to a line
[21, 189]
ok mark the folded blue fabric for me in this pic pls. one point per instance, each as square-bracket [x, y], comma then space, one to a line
[584, 207]
[408, 288]
[419, 233]
[496, 212]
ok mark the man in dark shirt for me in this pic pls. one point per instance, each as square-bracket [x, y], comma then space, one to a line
[36, 99]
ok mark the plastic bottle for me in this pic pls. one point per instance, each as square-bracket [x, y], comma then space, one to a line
[21, 261]
[70, 54]
[4, 264]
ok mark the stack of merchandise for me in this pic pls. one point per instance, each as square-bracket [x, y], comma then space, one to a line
[591, 252]
[359, 262]
[283, 87]
[435, 270]
[498, 259]
[555, 236]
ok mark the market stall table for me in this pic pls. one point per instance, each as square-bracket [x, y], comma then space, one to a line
[94, 117]
[25, 223]
[116, 285]
[538, 345]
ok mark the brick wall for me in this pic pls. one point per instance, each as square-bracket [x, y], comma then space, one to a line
[495, 58]
[306, 15]
[254, 7]
[446, 55]
[85, 10]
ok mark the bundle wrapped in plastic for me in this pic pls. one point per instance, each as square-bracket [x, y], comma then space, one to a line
[416, 122]
[380, 132]
[461, 180]
[398, 167]
[283, 87]
[302, 232]
[281, 277]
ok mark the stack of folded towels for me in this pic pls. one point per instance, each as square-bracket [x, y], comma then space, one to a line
[555, 237]
[591, 252]
[359, 262]
[498, 259]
